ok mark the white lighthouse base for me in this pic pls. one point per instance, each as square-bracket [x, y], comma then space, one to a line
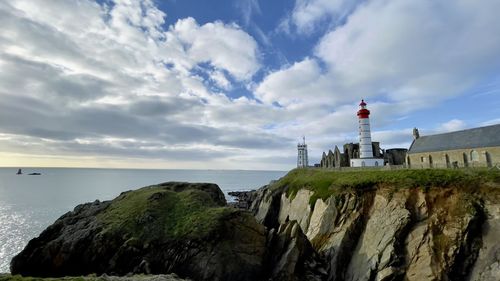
[367, 162]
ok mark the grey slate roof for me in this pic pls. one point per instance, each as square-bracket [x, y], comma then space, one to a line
[472, 138]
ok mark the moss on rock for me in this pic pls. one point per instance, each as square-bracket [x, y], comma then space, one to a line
[190, 213]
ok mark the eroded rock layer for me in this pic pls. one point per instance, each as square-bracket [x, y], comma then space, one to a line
[383, 232]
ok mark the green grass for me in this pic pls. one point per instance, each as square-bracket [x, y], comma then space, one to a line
[325, 183]
[172, 215]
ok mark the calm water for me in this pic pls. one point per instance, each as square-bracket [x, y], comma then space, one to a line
[28, 204]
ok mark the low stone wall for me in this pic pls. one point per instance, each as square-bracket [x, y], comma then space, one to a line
[379, 168]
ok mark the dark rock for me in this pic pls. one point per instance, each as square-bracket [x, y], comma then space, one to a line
[173, 227]
[266, 205]
[292, 256]
[244, 199]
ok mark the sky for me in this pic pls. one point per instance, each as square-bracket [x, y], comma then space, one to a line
[222, 84]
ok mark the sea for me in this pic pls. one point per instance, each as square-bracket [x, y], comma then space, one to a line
[30, 203]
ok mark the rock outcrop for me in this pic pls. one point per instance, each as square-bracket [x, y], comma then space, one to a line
[311, 225]
[382, 232]
[487, 266]
[180, 228]
[292, 256]
[172, 227]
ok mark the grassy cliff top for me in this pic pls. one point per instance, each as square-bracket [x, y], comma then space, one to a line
[157, 212]
[327, 182]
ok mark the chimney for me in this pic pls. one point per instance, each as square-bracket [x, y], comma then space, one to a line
[416, 134]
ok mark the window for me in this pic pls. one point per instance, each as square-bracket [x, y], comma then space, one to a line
[488, 159]
[466, 162]
[474, 156]
[362, 163]
[376, 163]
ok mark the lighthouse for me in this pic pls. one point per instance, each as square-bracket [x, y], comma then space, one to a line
[365, 138]
[366, 158]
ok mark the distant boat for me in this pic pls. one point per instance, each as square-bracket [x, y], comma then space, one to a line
[19, 172]
[34, 174]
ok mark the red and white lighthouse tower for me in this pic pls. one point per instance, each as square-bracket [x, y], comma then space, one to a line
[366, 158]
[365, 138]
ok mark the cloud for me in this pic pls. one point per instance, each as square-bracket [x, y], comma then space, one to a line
[393, 138]
[157, 106]
[412, 50]
[248, 8]
[413, 55]
[452, 125]
[491, 122]
[293, 85]
[220, 79]
[109, 148]
[110, 80]
[307, 14]
[225, 46]
[403, 56]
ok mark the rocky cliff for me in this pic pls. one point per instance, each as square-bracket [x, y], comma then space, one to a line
[172, 227]
[392, 225]
[310, 225]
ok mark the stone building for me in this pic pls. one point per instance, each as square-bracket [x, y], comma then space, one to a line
[467, 148]
[395, 156]
[336, 159]
[332, 159]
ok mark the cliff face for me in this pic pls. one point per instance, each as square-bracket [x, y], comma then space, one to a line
[377, 230]
[312, 225]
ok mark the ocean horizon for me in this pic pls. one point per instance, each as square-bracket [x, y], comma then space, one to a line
[30, 203]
